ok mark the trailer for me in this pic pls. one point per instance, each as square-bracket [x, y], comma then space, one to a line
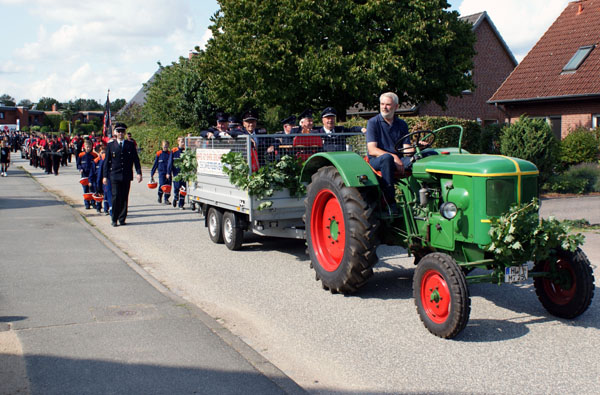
[230, 211]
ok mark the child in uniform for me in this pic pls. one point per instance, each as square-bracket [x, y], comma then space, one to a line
[161, 163]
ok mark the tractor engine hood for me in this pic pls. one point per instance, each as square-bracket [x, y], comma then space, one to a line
[472, 165]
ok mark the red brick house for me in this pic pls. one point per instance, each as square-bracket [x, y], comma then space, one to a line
[492, 63]
[559, 79]
[13, 118]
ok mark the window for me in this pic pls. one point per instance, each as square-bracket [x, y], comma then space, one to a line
[577, 59]
[1, 115]
[468, 74]
[596, 120]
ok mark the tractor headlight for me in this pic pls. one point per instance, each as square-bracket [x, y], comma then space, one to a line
[448, 210]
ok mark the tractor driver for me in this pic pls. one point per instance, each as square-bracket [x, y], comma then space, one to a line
[383, 131]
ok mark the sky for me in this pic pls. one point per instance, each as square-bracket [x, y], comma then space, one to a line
[71, 49]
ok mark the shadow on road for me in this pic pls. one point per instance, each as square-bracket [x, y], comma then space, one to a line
[8, 203]
[12, 318]
[58, 375]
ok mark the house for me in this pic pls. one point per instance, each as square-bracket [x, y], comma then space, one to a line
[559, 79]
[492, 63]
[15, 118]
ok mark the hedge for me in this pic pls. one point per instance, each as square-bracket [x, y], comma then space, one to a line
[149, 139]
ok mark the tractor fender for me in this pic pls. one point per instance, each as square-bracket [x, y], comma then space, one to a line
[352, 167]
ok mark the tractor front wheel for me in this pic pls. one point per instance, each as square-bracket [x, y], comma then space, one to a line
[441, 295]
[569, 288]
[341, 229]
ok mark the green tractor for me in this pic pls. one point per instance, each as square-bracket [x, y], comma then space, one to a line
[446, 209]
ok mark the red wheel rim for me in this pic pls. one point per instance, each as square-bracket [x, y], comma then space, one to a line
[327, 230]
[555, 292]
[435, 296]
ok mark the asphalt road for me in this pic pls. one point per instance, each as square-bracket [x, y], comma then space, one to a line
[372, 342]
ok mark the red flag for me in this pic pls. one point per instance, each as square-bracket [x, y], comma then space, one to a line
[107, 126]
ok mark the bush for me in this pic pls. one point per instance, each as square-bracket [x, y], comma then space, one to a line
[45, 129]
[149, 139]
[53, 120]
[532, 140]
[25, 129]
[580, 146]
[582, 178]
[449, 137]
[64, 126]
[85, 128]
[489, 142]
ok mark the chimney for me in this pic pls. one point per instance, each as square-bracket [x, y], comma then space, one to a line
[191, 54]
[54, 107]
[580, 9]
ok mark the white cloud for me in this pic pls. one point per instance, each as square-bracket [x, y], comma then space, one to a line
[521, 23]
[205, 37]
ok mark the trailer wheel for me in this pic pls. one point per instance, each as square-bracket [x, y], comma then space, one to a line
[341, 229]
[568, 291]
[233, 235]
[441, 295]
[215, 224]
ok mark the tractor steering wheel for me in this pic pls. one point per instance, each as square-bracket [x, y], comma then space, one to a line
[424, 139]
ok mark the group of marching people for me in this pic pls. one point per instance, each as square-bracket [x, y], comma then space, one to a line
[167, 171]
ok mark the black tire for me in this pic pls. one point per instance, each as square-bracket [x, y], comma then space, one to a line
[570, 292]
[347, 263]
[441, 295]
[233, 234]
[214, 223]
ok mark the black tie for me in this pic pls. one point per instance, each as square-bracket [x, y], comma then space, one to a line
[121, 145]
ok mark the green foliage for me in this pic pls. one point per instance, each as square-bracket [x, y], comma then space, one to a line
[25, 129]
[25, 103]
[187, 165]
[45, 129]
[131, 115]
[520, 236]
[149, 139]
[582, 178]
[53, 121]
[45, 104]
[532, 140]
[84, 105]
[489, 142]
[269, 178]
[85, 128]
[449, 137]
[64, 126]
[7, 100]
[306, 53]
[177, 97]
[116, 105]
[580, 146]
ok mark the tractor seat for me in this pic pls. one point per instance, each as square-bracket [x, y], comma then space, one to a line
[397, 174]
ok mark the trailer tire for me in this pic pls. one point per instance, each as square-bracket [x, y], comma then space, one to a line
[233, 234]
[570, 300]
[214, 223]
[441, 295]
[342, 248]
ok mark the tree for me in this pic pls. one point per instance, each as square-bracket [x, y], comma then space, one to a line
[302, 53]
[116, 105]
[45, 104]
[177, 96]
[25, 103]
[7, 100]
[84, 105]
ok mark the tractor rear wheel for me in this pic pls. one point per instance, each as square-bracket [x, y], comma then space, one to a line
[214, 219]
[441, 295]
[568, 291]
[341, 229]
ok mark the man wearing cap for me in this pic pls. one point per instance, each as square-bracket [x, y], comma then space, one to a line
[288, 125]
[306, 123]
[121, 156]
[383, 131]
[329, 128]
[219, 131]
[265, 147]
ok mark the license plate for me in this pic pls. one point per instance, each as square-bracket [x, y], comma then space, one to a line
[515, 274]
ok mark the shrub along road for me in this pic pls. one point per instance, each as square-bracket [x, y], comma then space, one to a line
[372, 342]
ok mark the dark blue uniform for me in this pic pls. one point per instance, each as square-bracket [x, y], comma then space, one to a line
[174, 171]
[331, 142]
[87, 166]
[161, 163]
[105, 188]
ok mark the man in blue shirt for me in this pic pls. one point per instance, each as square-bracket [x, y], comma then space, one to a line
[383, 131]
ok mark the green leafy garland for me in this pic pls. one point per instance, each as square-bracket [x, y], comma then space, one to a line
[520, 235]
[269, 178]
[187, 166]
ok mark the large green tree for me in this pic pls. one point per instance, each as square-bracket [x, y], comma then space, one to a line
[177, 96]
[25, 103]
[7, 100]
[306, 53]
[45, 104]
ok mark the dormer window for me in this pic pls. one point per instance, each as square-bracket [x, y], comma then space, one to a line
[577, 59]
